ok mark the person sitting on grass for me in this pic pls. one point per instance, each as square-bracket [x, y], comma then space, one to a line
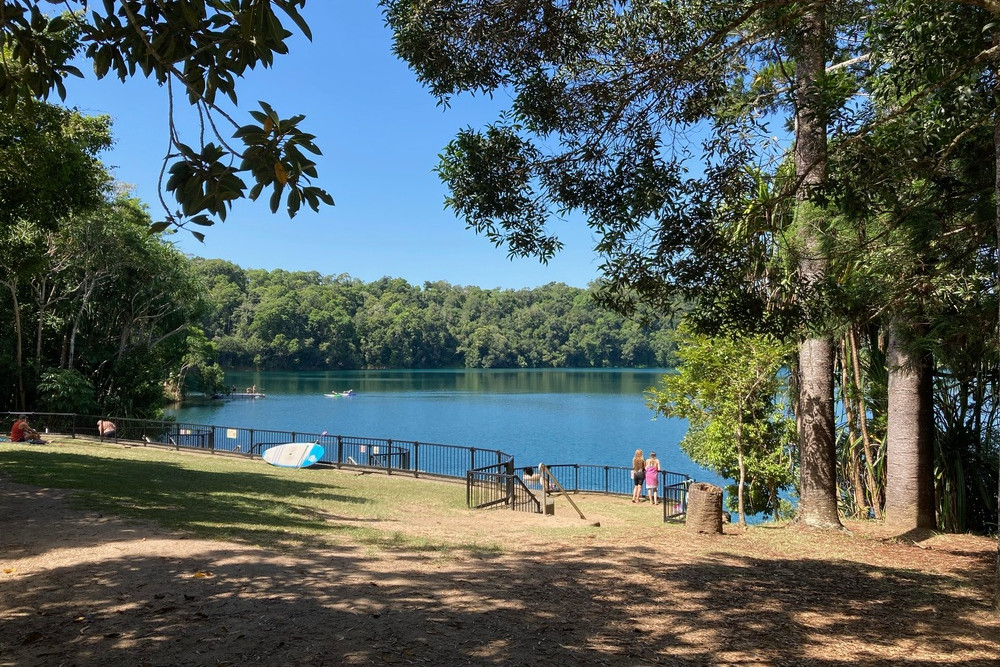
[21, 431]
[106, 428]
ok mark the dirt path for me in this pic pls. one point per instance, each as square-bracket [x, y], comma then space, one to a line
[78, 588]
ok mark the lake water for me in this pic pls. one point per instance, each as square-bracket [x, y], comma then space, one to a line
[553, 416]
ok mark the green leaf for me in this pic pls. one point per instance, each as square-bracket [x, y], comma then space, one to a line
[275, 198]
[159, 226]
[294, 201]
[297, 18]
[202, 220]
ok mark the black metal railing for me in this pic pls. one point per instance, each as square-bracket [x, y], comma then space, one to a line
[675, 498]
[387, 455]
[498, 487]
[617, 480]
[490, 475]
[487, 487]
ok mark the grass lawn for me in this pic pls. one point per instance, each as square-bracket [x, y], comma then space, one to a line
[235, 498]
[396, 570]
[231, 498]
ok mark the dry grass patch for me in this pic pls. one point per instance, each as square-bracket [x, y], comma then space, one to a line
[137, 556]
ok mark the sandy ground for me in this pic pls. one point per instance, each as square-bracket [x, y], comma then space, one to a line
[78, 588]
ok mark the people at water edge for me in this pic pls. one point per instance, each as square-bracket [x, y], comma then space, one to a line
[21, 431]
[653, 478]
[638, 475]
[106, 428]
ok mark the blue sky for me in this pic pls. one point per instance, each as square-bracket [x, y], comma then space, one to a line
[380, 133]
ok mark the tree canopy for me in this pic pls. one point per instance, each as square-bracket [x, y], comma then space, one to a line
[198, 50]
[824, 172]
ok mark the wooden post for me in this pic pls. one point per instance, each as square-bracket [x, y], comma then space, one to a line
[548, 477]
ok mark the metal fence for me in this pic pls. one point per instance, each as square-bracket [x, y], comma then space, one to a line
[492, 481]
[674, 499]
[617, 480]
[498, 487]
[387, 455]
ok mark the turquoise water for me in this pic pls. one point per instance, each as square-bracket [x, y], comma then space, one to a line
[594, 417]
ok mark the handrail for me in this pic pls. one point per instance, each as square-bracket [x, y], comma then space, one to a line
[481, 469]
[342, 451]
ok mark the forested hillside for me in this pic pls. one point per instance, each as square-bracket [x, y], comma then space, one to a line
[281, 320]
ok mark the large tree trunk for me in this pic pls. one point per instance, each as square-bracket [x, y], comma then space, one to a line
[909, 503]
[996, 186]
[818, 499]
[818, 464]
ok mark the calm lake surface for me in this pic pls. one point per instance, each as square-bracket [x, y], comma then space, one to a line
[552, 416]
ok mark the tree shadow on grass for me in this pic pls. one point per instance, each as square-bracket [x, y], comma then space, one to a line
[253, 507]
[579, 606]
[140, 602]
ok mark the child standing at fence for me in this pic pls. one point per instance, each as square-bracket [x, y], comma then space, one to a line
[638, 470]
[653, 478]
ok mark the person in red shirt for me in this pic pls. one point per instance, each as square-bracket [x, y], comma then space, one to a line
[21, 431]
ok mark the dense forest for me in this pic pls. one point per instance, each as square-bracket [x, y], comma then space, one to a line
[280, 320]
[97, 310]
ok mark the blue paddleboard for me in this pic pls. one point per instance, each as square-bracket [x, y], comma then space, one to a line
[294, 454]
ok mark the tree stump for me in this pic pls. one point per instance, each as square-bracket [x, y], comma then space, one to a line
[704, 510]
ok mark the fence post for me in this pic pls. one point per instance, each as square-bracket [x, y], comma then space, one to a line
[576, 478]
[607, 480]
[388, 457]
[250, 450]
[509, 467]
[340, 450]
[416, 459]
[472, 458]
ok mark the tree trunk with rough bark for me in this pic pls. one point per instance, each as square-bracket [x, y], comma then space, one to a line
[818, 461]
[704, 509]
[909, 503]
[996, 166]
